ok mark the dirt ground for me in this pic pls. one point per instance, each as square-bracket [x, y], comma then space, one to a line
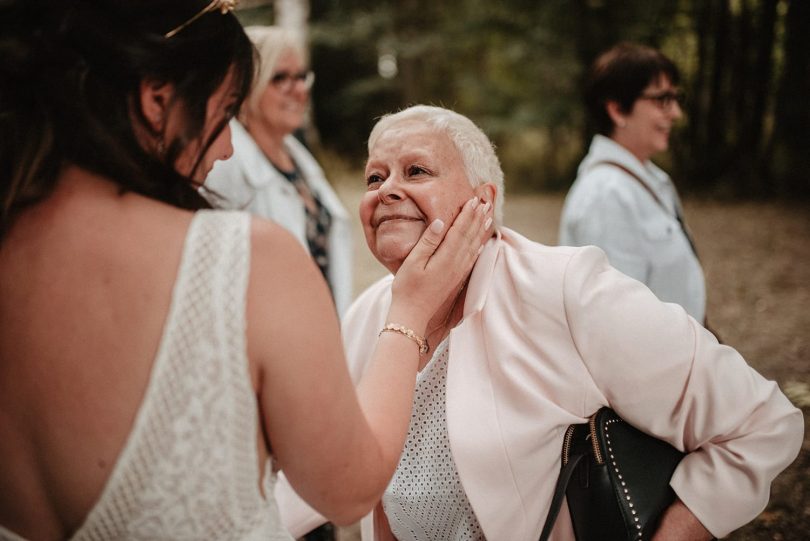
[756, 257]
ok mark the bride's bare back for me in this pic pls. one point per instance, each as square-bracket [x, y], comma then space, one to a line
[85, 286]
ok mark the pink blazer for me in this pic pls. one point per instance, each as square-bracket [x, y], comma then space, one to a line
[550, 335]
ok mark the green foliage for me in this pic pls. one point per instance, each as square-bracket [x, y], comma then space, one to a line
[516, 67]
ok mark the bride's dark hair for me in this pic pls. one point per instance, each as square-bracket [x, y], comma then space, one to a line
[70, 74]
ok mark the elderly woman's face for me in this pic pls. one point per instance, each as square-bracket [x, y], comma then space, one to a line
[414, 175]
[285, 99]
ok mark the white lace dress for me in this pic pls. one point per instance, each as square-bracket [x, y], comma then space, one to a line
[189, 469]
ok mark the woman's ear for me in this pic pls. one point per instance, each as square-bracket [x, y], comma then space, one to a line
[614, 111]
[155, 99]
[486, 192]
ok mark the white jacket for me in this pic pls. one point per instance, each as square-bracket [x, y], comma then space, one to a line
[249, 181]
[607, 207]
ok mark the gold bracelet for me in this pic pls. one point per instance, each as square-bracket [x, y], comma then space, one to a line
[405, 331]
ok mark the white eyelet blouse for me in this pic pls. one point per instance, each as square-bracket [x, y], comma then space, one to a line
[425, 500]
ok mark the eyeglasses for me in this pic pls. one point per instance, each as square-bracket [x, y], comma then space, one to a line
[664, 100]
[284, 81]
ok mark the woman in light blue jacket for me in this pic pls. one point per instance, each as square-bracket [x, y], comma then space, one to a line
[272, 174]
[621, 201]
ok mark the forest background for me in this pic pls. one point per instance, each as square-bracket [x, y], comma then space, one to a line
[516, 66]
[740, 156]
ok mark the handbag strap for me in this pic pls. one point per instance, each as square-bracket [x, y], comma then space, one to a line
[559, 494]
[663, 206]
[655, 198]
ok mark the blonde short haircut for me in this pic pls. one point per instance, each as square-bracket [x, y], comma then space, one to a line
[481, 164]
[270, 42]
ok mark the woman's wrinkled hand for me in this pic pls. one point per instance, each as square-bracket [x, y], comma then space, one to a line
[439, 262]
[679, 524]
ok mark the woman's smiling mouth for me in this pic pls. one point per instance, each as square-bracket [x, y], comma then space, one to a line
[396, 218]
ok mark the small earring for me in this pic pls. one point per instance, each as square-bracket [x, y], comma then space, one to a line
[161, 147]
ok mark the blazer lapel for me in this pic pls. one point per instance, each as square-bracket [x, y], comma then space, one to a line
[482, 461]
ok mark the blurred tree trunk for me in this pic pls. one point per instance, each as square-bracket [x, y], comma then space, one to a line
[740, 60]
[598, 27]
[407, 34]
[716, 143]
[763, 72]
[731, 87]
[750, 87]
[699, 104]
[292, 14]
[791, 145]
[706, 145]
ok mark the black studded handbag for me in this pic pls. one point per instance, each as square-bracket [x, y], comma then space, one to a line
[616, 480]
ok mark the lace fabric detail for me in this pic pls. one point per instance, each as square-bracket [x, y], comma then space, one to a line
[189, 469]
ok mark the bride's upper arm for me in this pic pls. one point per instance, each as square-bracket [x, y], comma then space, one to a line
[307, 401]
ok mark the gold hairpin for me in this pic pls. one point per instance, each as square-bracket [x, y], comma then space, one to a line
[224, 6]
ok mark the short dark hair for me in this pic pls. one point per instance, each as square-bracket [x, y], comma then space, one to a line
[70, 76]
[621, 74]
